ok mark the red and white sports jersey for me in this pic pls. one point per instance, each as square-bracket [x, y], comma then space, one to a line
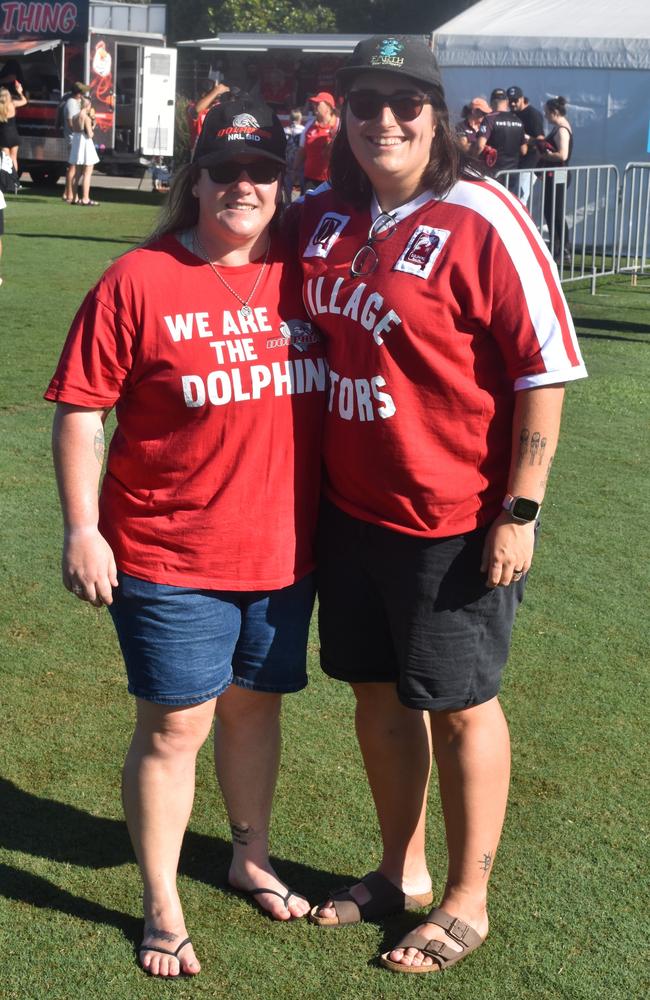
[213, 473]
[426, 353]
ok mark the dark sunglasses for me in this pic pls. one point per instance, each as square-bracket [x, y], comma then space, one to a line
[368, 104]
[262, 171]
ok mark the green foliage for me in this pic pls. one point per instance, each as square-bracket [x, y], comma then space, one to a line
[273, 16]
[182, 142]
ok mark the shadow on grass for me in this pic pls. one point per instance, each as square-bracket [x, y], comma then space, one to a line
[615, 325]
[118, 196]
[23, 887]
[76, 238]
[63, 833]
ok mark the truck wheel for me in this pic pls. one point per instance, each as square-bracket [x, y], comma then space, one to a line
[45, 176]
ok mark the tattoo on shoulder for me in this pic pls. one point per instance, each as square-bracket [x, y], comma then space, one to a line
[99, 445]
[158, 932]
[486, 863]
[243, 834]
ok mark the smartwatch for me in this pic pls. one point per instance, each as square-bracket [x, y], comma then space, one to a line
[521, 509]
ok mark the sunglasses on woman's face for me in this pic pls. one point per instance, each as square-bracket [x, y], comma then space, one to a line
[260, 171]
[368, 104]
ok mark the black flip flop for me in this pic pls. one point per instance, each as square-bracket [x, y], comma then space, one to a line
[166, 951]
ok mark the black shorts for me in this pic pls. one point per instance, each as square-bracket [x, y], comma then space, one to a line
[2, 221]
[411, 611]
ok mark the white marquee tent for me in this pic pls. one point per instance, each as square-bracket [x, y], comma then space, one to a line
[594, 52]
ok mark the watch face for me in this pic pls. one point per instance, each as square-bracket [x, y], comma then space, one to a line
[527, 510]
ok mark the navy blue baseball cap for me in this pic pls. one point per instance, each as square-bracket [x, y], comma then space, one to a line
[243, 125]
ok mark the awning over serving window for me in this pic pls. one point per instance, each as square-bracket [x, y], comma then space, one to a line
[26, 48]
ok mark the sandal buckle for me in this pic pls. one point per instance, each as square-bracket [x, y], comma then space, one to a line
[458, 929]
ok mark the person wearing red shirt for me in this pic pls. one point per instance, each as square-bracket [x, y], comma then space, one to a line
[448, 342]
[315, 146]
[201, 543]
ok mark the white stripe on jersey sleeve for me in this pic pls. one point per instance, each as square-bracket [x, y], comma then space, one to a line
[510, 227]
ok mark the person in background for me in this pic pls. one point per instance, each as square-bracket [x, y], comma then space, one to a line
[468, 127]
[201, 544]
[315, 144]
[556, 150]
[71, 111]
[3, 205]
[293, 131]
[533, 123]
[211, 92]
[503, 132]
[448, 341]
[83, 153]
[9, 136]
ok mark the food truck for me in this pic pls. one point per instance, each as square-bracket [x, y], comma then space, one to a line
[119, 51]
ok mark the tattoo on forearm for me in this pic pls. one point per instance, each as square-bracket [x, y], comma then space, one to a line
[547, 474]
[523, 445]
[534, 447]
[158, 932]
[486, 863]
[542, 449]
[244, 834]
[99, 445]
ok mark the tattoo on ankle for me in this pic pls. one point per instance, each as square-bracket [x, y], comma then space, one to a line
[243, 834]
[486, 863]
[158, 932]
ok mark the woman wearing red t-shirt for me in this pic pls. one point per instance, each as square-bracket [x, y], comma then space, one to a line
[316, 141]
[201, 543]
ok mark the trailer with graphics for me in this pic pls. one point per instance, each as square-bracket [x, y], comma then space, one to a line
[119, 51]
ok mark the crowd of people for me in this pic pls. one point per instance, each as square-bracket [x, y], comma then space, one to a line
[361, 394]
[508, 135]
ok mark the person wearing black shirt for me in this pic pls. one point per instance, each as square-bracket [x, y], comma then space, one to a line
[533, 123]
[505, 133]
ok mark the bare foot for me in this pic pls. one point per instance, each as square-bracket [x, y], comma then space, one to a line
[477, 919]
[168, 935]
[248, 875]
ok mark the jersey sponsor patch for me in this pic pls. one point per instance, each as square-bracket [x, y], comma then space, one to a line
[422, 251]
[326, 234]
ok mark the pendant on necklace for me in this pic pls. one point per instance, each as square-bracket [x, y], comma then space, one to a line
[246, 311]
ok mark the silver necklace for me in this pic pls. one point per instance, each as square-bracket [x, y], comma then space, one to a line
[245, 310]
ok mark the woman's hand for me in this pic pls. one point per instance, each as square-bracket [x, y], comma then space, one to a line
[88, 566]
[508, 551]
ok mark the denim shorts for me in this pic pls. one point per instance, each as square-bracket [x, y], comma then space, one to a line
[183, 646]
[414, 612]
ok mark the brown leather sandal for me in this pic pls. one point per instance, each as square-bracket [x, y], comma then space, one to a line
[385, 899]
[443, 956]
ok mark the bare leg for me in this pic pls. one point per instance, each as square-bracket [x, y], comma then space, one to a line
[86, 173]
[472, 750]
[157, 792]
[396, 749]
[70, 186]
[13, 153]
[247, 756]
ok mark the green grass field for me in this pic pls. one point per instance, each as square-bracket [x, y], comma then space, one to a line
[570, 885]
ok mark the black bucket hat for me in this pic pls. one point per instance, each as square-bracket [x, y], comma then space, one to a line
[405, 55]
[243, 125]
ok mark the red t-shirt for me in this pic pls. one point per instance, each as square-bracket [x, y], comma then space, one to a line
[426, 353]
[213, 471]
[317, 142]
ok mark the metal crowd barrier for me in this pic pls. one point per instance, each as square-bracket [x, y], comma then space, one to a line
[634, 233]
[576, 209]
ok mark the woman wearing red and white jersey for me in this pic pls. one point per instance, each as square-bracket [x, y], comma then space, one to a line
[448, 341]
[201, 544]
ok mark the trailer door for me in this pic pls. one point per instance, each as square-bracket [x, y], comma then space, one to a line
[158, 97]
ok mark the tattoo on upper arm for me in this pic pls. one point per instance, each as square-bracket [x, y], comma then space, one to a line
[486, 863]
[99, 445]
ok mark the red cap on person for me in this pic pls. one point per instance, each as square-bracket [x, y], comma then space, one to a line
[323, 96]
